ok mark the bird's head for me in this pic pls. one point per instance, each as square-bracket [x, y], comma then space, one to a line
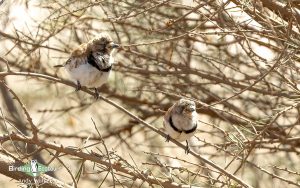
[185, 107]
[103, 43]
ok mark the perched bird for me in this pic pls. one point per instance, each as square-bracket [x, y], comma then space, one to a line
[180, 121]
[90, 63]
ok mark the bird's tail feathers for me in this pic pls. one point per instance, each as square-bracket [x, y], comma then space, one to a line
[58, 66]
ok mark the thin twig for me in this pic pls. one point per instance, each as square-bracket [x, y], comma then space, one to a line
[107, 152]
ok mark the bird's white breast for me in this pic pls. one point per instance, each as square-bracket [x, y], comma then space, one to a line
[86, 74]
[181, 122]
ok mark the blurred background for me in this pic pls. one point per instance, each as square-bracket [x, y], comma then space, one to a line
[237, 59]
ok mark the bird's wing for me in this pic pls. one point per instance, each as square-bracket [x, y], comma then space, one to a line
[80, 51]
[168, 113]
[74, 62]
[68, 61]
[78, 56]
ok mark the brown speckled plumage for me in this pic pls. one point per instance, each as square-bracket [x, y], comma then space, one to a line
[101, 43]
[90, 63]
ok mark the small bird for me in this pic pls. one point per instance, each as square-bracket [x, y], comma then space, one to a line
[180, 121]
[90, 63]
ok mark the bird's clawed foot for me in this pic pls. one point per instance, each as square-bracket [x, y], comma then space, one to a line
[96, 94]
[187, 149]
[78, 87]
[168, 138]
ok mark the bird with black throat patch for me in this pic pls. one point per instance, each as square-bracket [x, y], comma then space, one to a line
[90, 63]
[180, 121]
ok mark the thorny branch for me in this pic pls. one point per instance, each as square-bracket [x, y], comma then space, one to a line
[238, 60]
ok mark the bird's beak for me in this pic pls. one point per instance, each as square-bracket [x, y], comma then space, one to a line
[115, 45]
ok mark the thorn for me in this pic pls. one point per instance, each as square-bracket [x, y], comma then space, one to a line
[78, 87]
[168, 138]
[96, 94]
[187, 149]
